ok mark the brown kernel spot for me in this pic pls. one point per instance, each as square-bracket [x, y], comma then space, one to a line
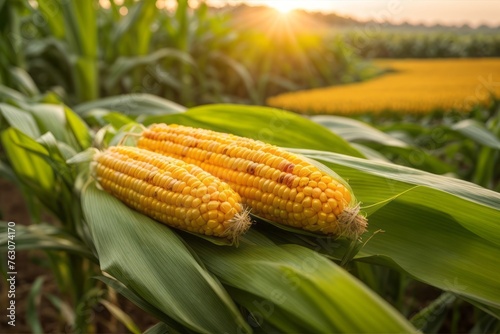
[251, 168]
[288, 179]
[289, 168]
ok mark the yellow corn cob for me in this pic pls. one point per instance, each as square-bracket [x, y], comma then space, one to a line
[171, 191]
[272, 182]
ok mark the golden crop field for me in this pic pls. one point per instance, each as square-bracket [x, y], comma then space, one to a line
[410, 86]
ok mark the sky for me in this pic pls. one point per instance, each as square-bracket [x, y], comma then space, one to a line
[473, 12]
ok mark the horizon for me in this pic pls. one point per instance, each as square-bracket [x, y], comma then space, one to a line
[444, 12]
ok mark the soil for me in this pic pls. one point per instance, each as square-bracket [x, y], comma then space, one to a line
[32, 264]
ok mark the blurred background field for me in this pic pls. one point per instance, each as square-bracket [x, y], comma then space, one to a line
[199, 55]
[408, 94]
[410, 86]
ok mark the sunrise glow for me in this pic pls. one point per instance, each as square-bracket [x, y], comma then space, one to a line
[283, 6]
[428, 12]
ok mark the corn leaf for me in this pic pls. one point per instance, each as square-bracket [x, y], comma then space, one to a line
[124, 65]
[20, 120]
[359, 132]
[7, 93]
[33, 305]
[78, 128]
[440, 230]
[62, 122]
[24, 82]
[67, 313]
[241, 71]
[28, 165]
[153, 262]
[75, 23]
[353, 130]
[136, 25]
[133, 104]
[52, 12]
[139, 301]
[430, 319]
[44, 236]
[297, 290]
[159, 328]
[51, 118]
[477, 132]
[120, 314]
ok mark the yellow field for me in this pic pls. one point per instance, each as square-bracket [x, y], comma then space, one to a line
[413, 86]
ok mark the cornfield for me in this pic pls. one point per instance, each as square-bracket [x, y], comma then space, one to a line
[408, 86]
[129, 204]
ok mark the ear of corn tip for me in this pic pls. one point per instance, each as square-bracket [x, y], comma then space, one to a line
[171, 191]
[275, 184]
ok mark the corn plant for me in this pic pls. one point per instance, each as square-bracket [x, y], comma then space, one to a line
[188, 55]
[38, 137]
[456, 43]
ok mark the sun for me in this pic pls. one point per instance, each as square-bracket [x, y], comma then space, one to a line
[282, 6]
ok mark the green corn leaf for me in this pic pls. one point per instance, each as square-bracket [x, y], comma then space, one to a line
[297, 290]
[81, 17]
[85, 77]
[20, 119]
[121, 316]
[52, 12]
[355, 131]
[152, 261]
[51, 118]
[133, 104]
[45, 236]
[241, 71]
[24, 82]
[136, 23]
[78, 129]
[160, 328]
[440, 230]
[23, 154]
[139, 301]
[7, 93]
[477, 132]
[32, 317]
[430, 319]
[124, 65]
[63, 307]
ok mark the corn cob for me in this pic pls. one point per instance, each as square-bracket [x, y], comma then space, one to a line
[273, 183]
[171, 191]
